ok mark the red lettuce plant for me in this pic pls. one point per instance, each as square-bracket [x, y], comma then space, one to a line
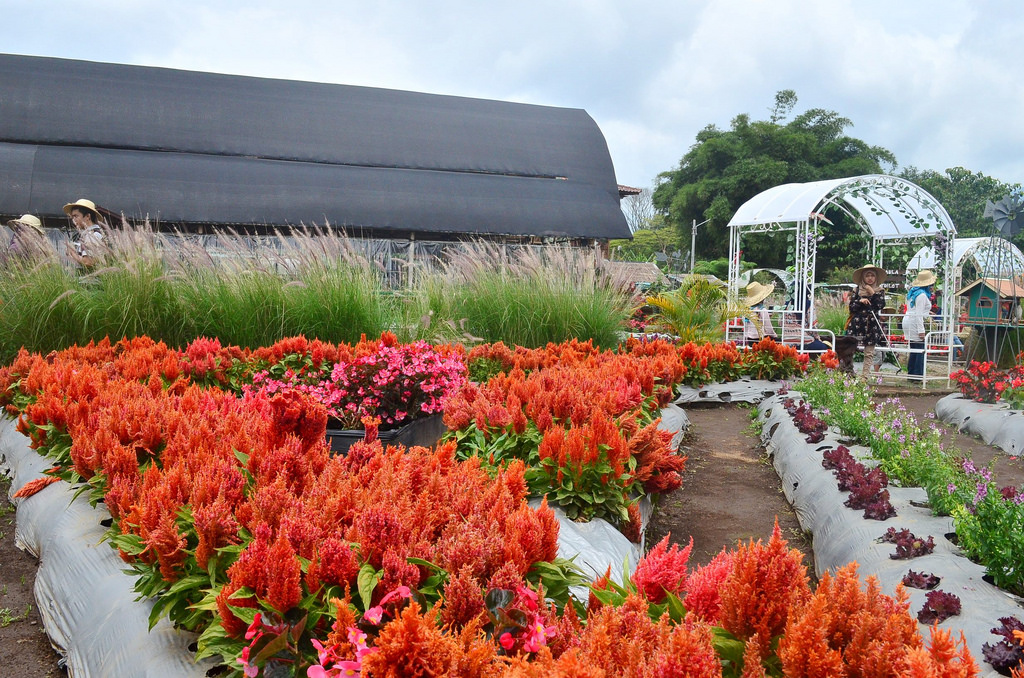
[1007, 654]
[938, 607]
[920, 580]
[907, 544]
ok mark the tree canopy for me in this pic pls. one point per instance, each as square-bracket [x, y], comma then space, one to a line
[724, 169]
[964, 193]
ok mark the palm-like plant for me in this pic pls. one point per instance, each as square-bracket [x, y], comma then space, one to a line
[697, 311]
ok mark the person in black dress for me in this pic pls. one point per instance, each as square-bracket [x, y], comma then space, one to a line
[866, 303]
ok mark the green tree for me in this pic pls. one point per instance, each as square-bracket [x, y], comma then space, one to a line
[963, 193]
[724, 169]
[647, 243]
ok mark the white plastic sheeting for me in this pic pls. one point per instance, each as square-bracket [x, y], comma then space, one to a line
[85, 600]
[739, 391]
[996, 425]
[842, 535]
[890, 207]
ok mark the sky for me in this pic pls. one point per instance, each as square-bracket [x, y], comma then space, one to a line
[933, 81]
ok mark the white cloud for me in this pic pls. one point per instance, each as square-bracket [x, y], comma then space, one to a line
[936, 83]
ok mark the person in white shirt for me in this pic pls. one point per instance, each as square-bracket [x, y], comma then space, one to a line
[87, 247]
[919, 307]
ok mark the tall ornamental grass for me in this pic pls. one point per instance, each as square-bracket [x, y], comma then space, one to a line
[831, 313]
[529, 297]
[40, 308]
[312, 283]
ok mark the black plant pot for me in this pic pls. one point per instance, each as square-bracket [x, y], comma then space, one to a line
[424, 432]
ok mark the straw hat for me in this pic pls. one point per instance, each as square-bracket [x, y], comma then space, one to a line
[859, 273]
[756, 293]
[923, 279]
[27, 220]
[83, 204]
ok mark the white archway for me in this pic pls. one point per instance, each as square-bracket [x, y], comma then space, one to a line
[987, 254]
[888, 209]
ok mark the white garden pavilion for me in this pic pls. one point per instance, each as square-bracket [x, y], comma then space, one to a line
[993, 257]
[890, 210]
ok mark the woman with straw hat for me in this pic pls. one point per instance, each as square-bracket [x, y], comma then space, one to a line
[756, 295]
[919, 306]
[29, 239]
[85, 249]
[865, 304]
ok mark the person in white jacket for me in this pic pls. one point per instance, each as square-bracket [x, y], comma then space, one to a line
[919, 306]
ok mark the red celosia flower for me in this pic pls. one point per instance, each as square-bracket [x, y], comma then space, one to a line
[33, 486]
[662, 570]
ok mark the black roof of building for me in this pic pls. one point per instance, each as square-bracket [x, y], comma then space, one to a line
[184, 147]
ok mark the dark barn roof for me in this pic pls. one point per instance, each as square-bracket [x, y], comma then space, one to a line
[184, 147]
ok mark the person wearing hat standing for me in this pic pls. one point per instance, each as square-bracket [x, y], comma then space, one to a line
[865, 305]
[919, 306]
[85, 249]
[756, 295]
[28, 240]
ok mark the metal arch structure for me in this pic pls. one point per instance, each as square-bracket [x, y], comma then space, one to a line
[994, 256]
[888, 209]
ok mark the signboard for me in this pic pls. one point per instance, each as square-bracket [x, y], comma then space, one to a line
[895, 280]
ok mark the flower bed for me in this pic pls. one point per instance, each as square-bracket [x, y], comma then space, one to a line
[242, 528]
[984, 382]
[988, 521]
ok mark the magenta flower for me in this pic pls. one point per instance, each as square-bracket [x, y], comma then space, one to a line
[507, 641]
[374, 615]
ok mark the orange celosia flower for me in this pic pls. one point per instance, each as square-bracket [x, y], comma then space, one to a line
[844, 628]
[766, 581]
[942, 659]
[34, 486]
[413, 645]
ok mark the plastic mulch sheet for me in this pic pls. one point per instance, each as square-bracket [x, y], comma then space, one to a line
[842, 535]
[996, 425]
[739, 391]
[85, 599]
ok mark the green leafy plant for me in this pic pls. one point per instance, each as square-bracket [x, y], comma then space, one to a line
[697, 311]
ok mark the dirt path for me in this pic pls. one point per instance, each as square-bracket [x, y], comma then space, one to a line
[23, 643]
[730, 491]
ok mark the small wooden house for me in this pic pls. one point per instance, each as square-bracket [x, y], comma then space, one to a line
[993, 301]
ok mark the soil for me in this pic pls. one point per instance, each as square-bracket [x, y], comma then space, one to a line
[730, 494]
[23, 643]
[730, 491]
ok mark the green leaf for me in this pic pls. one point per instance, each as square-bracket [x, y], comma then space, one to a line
[366, 583]
[676, 609]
